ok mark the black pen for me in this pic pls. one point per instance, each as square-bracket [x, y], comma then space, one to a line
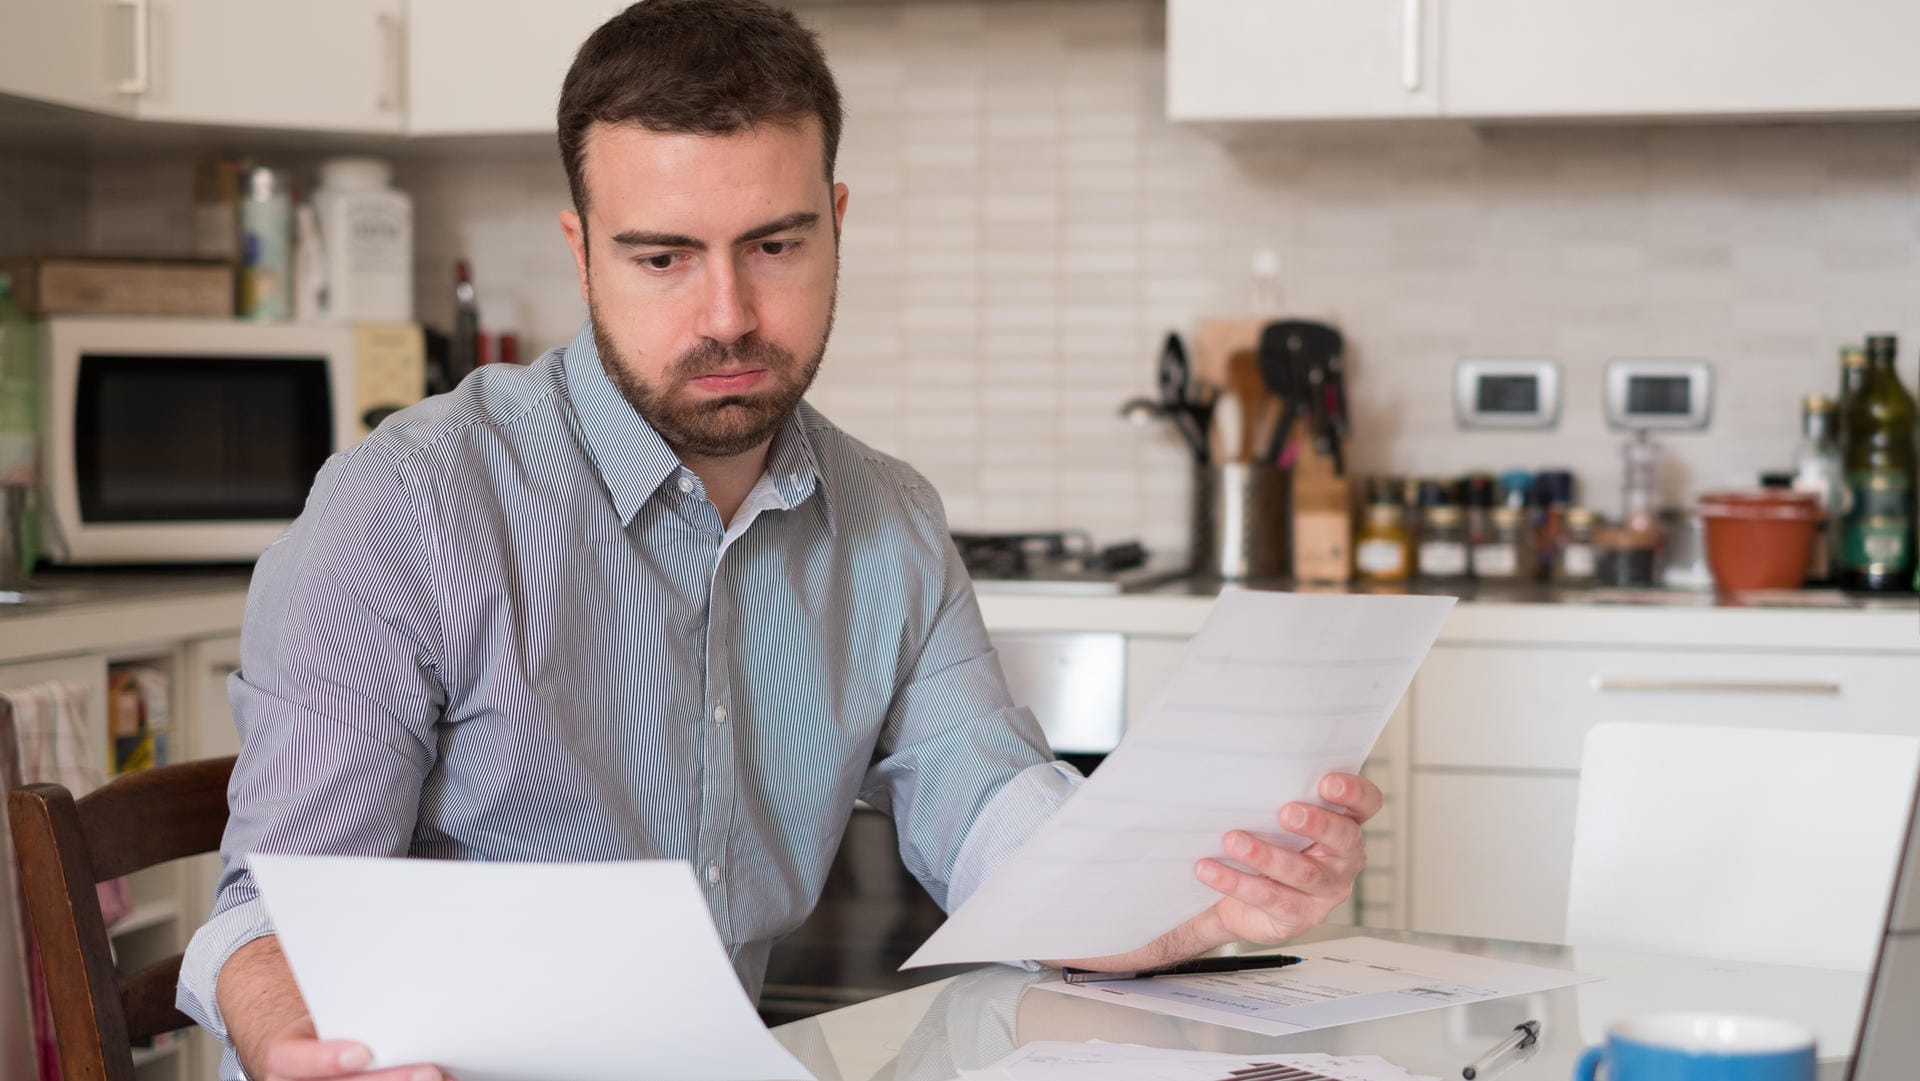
[1198, 967]
[1523, 1036]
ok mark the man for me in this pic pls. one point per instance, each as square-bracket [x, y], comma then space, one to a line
[638, 600]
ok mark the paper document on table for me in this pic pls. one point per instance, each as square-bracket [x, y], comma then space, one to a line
[1096, 1061]
[1340, 982]
[1277, 690]
[519, 971]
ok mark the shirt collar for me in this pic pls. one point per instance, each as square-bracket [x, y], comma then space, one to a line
[634, 461]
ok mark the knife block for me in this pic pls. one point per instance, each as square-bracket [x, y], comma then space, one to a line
[1322, 519]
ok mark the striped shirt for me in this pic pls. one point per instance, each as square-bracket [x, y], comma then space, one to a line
[509, 625]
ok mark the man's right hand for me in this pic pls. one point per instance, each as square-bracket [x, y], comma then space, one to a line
[268, 1023]
[297, 1053]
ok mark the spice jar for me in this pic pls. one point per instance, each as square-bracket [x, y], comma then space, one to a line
[1383, 552]
[1441, 555]
[1627, 558]
[1575, 564]
[1507, 556]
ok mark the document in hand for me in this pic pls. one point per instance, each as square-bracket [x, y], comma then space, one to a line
[519, 971]
[1277, 690]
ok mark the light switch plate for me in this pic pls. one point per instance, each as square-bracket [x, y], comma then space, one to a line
[1659, 393]
[1490, 392]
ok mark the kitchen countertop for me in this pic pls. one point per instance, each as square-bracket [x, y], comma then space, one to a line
[70, 611]
[1800, 621]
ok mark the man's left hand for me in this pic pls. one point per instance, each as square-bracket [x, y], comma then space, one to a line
[1286, 892]
[1289, 892]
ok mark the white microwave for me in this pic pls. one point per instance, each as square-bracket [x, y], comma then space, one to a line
[195, 441]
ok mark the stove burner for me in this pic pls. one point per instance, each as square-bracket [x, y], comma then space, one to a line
[1067, 554]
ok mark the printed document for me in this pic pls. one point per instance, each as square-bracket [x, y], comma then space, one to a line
[1277, 690]
[519, 971]
[1342, 981]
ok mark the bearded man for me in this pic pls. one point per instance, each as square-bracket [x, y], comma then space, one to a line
[639, 600]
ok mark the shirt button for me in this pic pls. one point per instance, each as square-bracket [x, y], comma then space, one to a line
[686, 485]
[713, 874]
[719, 715]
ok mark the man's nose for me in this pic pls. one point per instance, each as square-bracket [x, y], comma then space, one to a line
[729, 304]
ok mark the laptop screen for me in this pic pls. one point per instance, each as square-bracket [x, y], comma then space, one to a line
[1889, 1044]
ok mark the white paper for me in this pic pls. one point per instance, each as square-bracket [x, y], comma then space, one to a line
[1096, 1061]
[1277, 690]
[519, 971]
[1341, 982]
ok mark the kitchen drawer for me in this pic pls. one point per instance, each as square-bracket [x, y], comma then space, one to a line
[1530, 708]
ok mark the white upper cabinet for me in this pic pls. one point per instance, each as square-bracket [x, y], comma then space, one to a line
[296, 64]
[1301, 59]
[493, 67]
[1536, 58]
[69, 52]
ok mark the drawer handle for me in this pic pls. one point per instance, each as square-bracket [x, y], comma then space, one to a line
[1638, 685]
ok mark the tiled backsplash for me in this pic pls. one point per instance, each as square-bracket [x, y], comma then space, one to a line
[1025, 225]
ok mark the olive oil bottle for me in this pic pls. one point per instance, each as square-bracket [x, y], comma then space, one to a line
[1877, 544]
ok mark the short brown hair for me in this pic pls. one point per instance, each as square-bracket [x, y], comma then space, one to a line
[701, 67]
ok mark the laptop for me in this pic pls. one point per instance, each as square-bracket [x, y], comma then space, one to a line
[1889, 1044]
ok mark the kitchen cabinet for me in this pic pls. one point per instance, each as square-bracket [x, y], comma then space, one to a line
[1301, 59]
[67, 52]
[191, 636]
[1642, 58]
[1490, 854]
[457, 83]
[1499, 728]
[338, 66]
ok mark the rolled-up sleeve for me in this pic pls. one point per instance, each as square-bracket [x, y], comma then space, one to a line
[336, 699]
[965, 772]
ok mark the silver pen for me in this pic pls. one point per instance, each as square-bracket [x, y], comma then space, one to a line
[1523, 1036]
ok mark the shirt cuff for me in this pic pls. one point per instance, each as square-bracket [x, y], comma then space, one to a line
[207, 953]
[1005, 823]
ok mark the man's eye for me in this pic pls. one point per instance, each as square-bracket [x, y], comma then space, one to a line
[663, 261]
[778, 247]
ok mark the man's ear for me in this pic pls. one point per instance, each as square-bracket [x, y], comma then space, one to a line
[576, 232]
[839, 209]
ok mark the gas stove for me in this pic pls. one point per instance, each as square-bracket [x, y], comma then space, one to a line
[1058, 562]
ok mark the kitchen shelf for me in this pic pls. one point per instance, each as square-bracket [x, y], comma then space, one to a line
[144, 1055]
[145, 915]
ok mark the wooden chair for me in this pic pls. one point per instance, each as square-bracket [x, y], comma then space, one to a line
[64, 848]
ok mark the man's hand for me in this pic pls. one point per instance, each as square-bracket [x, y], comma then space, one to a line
[1286, 893]
[268, 1024]
[1293, 891]
[297, 1053]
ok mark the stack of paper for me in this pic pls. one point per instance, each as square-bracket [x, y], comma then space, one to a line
[1340, 982]
[1053, 1061]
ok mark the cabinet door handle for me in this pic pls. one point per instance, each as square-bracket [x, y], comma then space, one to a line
[394, 80]
[1656, 685]
[1411, 40]
[141, 81]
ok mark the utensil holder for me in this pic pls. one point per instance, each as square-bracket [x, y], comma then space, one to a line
[1239, 521]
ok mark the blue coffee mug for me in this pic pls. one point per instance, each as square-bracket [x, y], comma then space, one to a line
[1701, 1047]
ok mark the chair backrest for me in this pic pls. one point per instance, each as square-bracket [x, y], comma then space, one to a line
[1749, 844]
[64, 848]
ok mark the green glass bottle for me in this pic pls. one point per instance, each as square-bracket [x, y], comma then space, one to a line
[1878, 542]
[19, 430]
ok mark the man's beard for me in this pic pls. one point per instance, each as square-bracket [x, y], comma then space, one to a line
[714, 427]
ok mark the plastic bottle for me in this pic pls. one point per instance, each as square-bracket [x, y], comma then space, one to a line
[19, 434]
[366, 230]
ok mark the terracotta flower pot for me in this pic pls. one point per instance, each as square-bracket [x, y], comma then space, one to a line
[1760, 540]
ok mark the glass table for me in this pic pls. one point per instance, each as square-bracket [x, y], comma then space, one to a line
[933, 1032]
